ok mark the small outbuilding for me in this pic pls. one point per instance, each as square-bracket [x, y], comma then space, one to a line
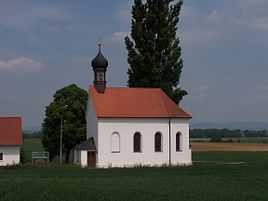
[10, 140]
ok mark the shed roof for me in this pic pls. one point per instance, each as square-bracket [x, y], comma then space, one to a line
[135, 103]
[10, 131]
[86, 145]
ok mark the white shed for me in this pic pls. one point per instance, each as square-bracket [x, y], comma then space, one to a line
[10, 140]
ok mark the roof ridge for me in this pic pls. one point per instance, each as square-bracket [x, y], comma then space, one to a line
[164, 97]
[146, 88]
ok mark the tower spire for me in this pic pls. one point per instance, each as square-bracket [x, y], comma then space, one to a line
[99, 64]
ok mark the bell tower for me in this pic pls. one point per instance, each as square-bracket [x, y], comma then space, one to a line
[99, 64]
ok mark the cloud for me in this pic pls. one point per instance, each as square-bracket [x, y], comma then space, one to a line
[201, 27]
[117, 37]
[262, 88]
[17, 16]
[252, 13]
[124, 13]
[20, 64]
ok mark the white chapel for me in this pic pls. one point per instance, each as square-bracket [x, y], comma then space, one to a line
[128, 127]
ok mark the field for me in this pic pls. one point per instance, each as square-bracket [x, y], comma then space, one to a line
[202, 181]
[223, 146]
[241, 139]
[213, 176]
[31, 144]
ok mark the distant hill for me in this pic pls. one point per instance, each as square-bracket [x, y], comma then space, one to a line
[231, 125]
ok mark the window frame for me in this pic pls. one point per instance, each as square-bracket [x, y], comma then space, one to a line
[140, 142]
[157, 144]
[115, 133]
[178, 141]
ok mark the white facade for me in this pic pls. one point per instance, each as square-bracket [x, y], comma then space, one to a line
[114, 140]
[80, 157]
[11, 154]
[127, 127]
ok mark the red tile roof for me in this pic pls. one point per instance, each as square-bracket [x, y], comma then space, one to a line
[135, 103]
[10, 131]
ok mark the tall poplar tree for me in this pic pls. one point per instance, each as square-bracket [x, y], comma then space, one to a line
[154, 52]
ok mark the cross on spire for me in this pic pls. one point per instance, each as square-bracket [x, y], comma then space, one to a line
[99, 44]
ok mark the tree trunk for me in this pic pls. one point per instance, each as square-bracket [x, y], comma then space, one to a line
[68, 151]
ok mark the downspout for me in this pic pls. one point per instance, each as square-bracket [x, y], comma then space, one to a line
[169, 133]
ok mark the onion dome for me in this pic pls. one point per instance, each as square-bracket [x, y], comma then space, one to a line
[99, 61]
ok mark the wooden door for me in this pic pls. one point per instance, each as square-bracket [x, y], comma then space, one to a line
[91, 159]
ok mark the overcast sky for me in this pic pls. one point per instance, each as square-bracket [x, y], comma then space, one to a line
[46, 45]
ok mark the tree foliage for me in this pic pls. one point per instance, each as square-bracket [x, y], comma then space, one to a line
[70, 102]
[154, 52]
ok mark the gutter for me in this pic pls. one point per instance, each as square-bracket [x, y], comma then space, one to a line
[169, 133]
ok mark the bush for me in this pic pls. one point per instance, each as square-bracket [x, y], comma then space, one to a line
[22, 156]
[215, 139]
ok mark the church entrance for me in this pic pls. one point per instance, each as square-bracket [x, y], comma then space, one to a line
[91, 158]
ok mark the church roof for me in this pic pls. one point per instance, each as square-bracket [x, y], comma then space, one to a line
[135, 103]
[10, 131]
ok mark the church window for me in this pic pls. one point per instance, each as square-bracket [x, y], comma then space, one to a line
[137, 142]
[158, 142]
[115, 139]
[178, 142]
[1, 156]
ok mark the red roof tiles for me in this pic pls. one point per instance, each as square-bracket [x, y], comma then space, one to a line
[134, 103]
[10, 131]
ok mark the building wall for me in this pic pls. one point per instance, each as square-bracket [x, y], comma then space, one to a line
[92, 122]
[11, 154]
[184, 156]
[126, 127]
[80, 157]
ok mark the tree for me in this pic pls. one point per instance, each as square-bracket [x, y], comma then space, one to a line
[70, 103]
[154, 54]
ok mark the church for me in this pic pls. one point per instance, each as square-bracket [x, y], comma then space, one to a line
[128, 127]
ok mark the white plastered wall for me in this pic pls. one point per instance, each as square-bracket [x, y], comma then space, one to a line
[80, 157]
[183, 157]
[11, 154]
[126, 127]
[92, 121]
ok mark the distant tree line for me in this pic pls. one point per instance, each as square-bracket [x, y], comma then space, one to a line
[226, 133]
[36, 134]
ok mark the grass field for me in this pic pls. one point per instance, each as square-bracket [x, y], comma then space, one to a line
[31, 144]
[206, 180]
[200, 182]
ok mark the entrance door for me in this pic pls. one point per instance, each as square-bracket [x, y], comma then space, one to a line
[91, 159]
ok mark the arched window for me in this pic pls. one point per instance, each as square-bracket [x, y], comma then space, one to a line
[115, 139]
[178, 142]
[158, 142]
[137, 142]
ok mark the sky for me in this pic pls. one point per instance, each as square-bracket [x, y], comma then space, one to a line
[46, 45]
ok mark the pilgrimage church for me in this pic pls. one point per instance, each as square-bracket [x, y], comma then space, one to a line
[128, 127]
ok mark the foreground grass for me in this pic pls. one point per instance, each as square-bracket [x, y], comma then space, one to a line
[202, 181]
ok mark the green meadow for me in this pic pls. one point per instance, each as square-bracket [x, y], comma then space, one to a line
[204, 181]
[214, 176]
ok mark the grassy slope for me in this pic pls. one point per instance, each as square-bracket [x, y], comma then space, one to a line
[202, 182]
